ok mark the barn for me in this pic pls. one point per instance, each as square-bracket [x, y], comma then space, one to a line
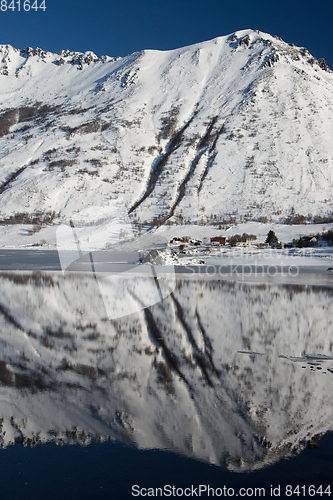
[218, 241]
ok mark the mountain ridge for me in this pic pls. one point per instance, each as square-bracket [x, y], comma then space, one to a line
[236, 127]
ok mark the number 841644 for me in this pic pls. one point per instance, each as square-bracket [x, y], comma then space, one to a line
[22, 5]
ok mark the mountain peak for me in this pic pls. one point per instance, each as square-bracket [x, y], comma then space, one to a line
[235, 127]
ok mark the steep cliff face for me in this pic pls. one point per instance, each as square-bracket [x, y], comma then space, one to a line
[240, 125]
[229, 373]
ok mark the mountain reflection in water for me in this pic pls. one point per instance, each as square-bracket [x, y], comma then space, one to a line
[233, 374]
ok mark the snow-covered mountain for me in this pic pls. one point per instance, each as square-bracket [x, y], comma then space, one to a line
[230, 373]
[241, 125]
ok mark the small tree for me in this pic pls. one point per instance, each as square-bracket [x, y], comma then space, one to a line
[300, 243]
[233, 239]
[271, 238]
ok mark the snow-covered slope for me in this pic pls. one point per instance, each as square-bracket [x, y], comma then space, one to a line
[240, 125]
[224, 372]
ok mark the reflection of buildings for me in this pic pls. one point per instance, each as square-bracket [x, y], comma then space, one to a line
[199, 373]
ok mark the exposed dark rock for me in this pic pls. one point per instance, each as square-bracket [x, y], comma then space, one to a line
[323, 64]
[244, 41]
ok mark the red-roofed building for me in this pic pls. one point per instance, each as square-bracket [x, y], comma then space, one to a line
[218, 240]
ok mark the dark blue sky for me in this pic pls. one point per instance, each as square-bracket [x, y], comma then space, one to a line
[118, 28]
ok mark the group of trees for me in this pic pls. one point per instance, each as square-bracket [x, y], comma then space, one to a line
[271, 238]
[326, 235]
[245, 237]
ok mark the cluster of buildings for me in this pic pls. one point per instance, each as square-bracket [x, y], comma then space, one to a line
[215, 241]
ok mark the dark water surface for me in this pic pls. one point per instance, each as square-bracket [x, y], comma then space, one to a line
[108, 471]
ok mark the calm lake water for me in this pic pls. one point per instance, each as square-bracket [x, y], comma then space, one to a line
[106, 383]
